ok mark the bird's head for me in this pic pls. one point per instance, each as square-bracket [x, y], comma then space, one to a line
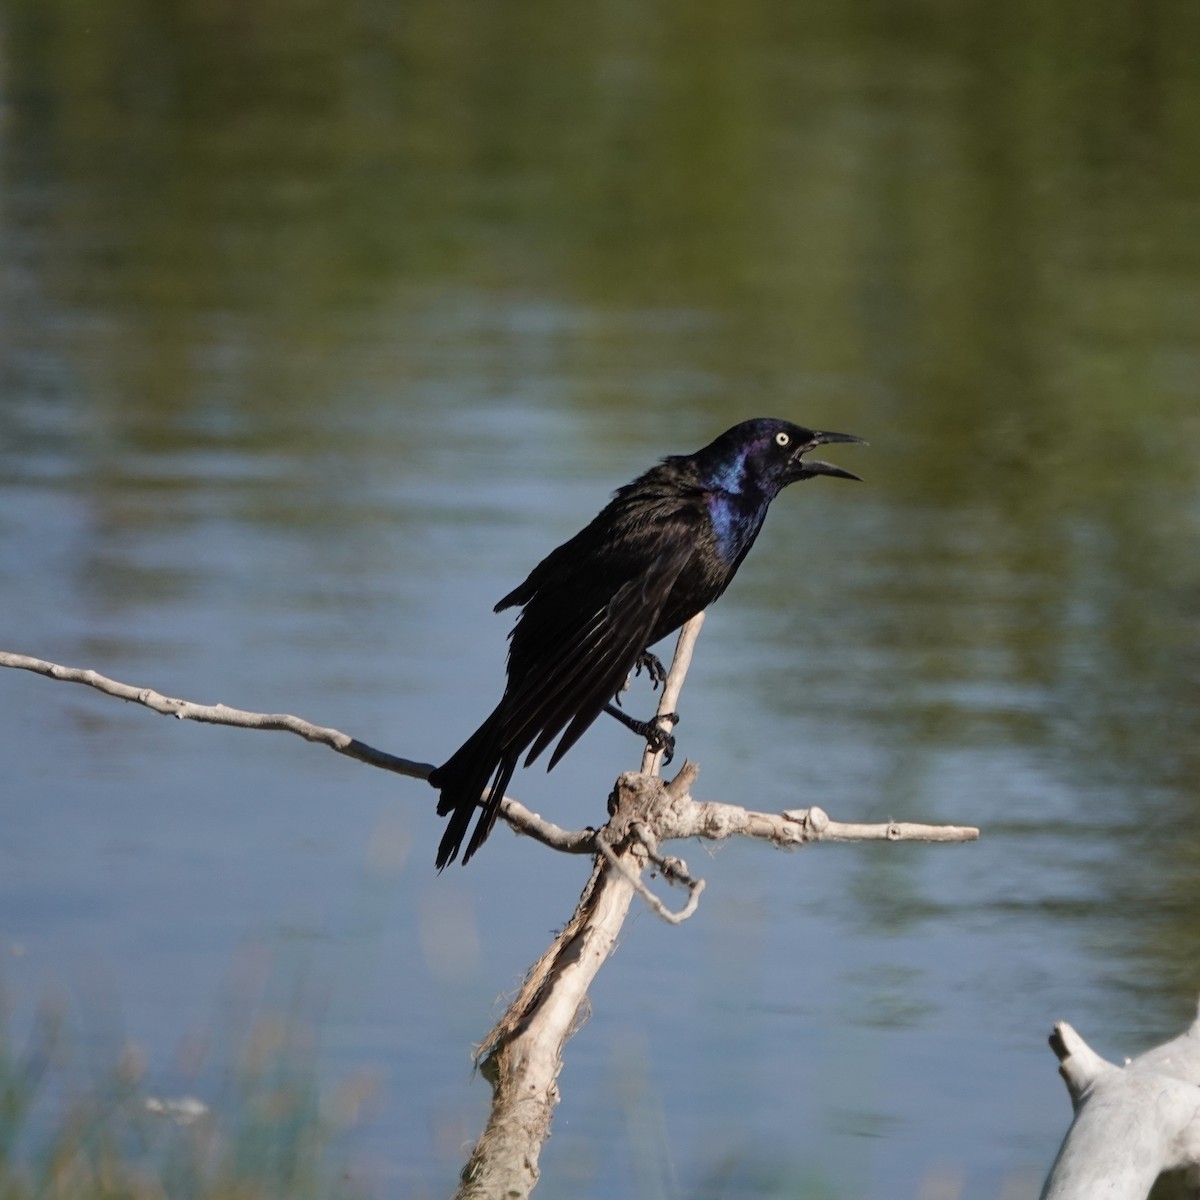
[767, 454]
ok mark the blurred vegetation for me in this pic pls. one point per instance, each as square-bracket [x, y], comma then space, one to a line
[988, 216]
[271, 1134]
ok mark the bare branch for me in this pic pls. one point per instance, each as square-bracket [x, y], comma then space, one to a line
[689, 818]
[515, 813]
[817, 826]
[656, 906]
[221, 714]
[534, 825]
[522, 1056]
[822, 829]
[669, 700]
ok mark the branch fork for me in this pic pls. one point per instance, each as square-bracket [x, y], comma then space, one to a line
[522, 1056]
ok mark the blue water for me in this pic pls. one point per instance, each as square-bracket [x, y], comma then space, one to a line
[853, 1009]
[311, 346]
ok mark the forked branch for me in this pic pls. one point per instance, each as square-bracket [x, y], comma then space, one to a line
[707, 820]
[522, 1056]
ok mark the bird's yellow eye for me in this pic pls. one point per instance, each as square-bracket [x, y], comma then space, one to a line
[782, 439]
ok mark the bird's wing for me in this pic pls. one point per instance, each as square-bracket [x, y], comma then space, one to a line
[571, 680]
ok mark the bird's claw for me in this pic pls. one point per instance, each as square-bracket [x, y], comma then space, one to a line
[661, 740]
[655, 672]
[652, 664]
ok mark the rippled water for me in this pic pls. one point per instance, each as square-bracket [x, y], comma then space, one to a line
[313, 344]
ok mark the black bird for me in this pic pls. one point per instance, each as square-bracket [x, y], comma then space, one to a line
[665, 548]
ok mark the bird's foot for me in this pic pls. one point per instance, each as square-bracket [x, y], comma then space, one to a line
[655, 736]
[653, 667]
[655, 672]
[660, 739]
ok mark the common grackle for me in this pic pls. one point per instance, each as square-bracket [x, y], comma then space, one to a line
[663, 549]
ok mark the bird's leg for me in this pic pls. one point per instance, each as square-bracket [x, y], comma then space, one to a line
[656, 737]
[654, 669]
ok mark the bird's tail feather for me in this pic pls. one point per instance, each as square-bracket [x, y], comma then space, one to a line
[463, 781]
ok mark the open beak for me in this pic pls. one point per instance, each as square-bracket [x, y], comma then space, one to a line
[806, 468]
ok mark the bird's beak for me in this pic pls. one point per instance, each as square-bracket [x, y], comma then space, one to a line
[806, 468]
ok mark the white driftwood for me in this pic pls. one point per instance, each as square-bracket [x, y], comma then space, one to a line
[1132, 1122]
[685, 818]
[522, 1056]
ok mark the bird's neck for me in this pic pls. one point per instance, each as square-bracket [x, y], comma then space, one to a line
[736, 518]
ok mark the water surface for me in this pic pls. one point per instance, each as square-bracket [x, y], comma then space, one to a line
[322, 323]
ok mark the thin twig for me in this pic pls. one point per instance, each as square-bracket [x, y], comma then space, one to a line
[516, 814]
[822, 828]
[714, 821]
[524, 821]
[656, 906]
[669, 700]
[221, 714]
[703, 819]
